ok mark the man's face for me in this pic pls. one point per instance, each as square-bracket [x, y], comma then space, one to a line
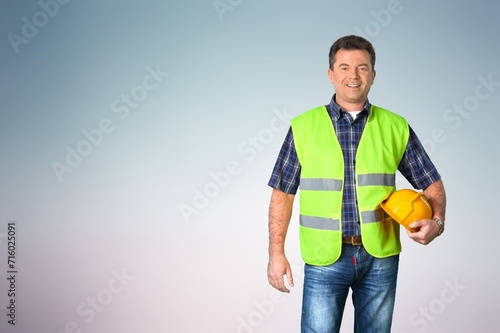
[352, 76]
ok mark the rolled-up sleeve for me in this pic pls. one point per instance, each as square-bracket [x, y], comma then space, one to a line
[416, 165]
[286, 171]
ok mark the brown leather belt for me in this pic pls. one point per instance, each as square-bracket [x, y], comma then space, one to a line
[353, 240]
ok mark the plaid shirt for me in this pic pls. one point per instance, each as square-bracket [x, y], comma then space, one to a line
[415, 165]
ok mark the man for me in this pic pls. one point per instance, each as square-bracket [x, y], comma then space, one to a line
[345, 155]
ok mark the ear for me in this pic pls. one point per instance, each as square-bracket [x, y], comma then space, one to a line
[330, 75]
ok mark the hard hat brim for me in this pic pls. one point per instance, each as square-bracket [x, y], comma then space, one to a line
[394, 217]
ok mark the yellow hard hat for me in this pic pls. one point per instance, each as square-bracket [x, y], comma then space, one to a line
[406, 206]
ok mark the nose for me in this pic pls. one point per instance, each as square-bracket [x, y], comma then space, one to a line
[353, 73]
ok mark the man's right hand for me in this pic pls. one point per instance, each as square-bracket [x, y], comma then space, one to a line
[280, 211]
[277, 267]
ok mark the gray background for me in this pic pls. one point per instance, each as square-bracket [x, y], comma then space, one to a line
[123, 241]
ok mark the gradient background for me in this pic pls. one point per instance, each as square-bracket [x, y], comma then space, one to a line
[229, 74]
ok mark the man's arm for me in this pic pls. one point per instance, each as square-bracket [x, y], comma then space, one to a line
[427, 230]
[280, 212]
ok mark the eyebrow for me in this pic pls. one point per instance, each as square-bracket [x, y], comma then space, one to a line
[343, 64]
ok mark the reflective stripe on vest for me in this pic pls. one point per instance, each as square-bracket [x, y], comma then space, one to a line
[371, 216]
[321, 184]
[322, 223]
[377, 179]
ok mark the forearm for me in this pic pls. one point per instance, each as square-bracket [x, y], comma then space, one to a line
[427, 230]
[280, 212]
[436, 196]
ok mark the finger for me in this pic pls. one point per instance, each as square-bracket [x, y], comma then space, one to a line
[289, 276]
[413, 231]
[416, 235]
[278, 283]
[415, 224]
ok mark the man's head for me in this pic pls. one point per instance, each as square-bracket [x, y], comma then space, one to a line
[352, 62]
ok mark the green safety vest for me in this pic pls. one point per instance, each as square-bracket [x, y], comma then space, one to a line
[380, 150]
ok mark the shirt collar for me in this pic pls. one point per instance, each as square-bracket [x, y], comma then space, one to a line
[335, 109]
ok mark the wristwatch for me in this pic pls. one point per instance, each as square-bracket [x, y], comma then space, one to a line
[440, 224]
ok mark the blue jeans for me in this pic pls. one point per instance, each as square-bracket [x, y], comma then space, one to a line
[373, 284]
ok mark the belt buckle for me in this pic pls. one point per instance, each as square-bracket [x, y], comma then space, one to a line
[356, 241]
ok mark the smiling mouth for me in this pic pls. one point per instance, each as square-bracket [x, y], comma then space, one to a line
[353, 85]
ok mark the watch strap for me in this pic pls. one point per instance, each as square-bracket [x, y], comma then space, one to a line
[440, 224]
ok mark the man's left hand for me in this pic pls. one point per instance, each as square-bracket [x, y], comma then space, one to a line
[426, 231]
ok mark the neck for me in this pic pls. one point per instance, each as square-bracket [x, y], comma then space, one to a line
[351, 106]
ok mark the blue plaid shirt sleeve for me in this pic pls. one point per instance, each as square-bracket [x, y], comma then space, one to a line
[416, 166]
[286, 171]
